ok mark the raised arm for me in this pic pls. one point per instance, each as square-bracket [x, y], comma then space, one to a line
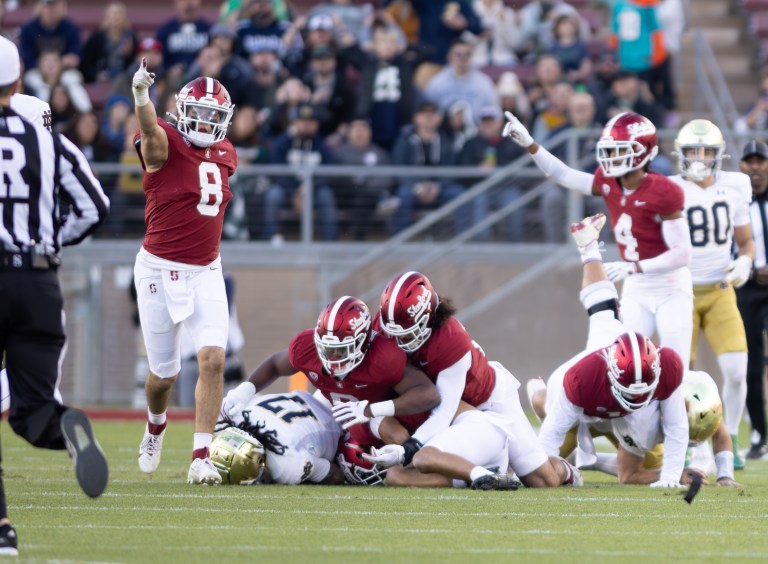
[154, 141]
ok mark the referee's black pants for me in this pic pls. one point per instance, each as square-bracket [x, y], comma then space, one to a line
[32, 337]
[753, 305]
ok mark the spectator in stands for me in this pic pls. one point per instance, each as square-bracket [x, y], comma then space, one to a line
[126, 214]
[458, 124]
[460, 81]
[111, 49]
[630, 94]
[330, 90]
[232, 11]
[605, 67]
[385, 90]
[513, 97]
[488, 150]
[359, 194]
[51, 72]
[85, 132]
[548, 73]
[301, 145]
[62, 108]
[152, 50]
[571, 50]
[756, 118]
[260, 26]
[442, 23]
[51, 30]
[182, 37]
[405, 16]
[288, 97]
[235, 71]
[580, 114]
[381, 19]
[211, 62]
[536, 24]
[348, 17]
[553, 117]
[639, 37]
[498, 43]
[116, 112]
[425, 145]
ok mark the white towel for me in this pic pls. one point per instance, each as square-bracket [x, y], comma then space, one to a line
[179, 298]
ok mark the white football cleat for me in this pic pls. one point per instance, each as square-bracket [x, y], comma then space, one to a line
[587, 230]
[575, 478]
[202, 471]
[149, 451]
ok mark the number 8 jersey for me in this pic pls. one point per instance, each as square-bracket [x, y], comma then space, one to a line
[186, 199]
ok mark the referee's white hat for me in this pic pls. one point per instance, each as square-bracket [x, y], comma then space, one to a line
[10, 70]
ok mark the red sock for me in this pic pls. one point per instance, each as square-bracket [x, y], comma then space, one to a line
[156, 429]
[200, 453]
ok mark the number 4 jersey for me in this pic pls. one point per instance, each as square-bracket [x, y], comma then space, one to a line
[186, 199]
[713, 213]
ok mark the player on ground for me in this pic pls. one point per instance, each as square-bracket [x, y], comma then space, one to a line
[178, 273]
[717, 207]
[619, 374]
[425, 327]
[645, 210]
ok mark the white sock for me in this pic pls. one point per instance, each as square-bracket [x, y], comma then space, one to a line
[202, 440]
[156, 418]
[734, 369]
[608, 463]
[478, 471]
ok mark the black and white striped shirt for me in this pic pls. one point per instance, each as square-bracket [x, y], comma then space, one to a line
[36, 168]
[758, 212]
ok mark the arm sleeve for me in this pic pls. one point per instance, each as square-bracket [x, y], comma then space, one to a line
[450, 384]
[674, 420]
[559, 420]
[678, 239]
[561, 173]
[90, 205]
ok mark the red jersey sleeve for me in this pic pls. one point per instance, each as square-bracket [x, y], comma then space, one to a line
[671, 373]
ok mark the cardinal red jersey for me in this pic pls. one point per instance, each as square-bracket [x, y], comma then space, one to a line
[373, 380]
[635, 216]
[186, 199]
[587, 386]
[444, 348]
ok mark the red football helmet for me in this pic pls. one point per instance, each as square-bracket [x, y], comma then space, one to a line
[634, 367]
[342, 334]
[628, 143]
[356, 469]
[408, 305]
[204, 109]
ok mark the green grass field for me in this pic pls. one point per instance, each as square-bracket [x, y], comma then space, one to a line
[162, 519]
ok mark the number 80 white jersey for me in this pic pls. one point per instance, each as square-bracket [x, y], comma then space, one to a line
[713, 213]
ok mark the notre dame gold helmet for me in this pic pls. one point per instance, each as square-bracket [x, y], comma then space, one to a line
[700, 149]
[238, 456]
[702, 401]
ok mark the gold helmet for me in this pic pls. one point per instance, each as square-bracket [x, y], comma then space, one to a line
[239, 457]
[702, 401]
[700, 149]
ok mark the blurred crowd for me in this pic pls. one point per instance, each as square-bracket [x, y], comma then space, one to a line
[402, 82]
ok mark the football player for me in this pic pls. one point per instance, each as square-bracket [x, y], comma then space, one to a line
[32, 109]
[645, 210]
[178, 273]
[295, 433]
[424, 326]
[359, 374]
[717, 207]
[618, 375]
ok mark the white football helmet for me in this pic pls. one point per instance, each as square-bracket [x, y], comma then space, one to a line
[204, 104]
[700, 149]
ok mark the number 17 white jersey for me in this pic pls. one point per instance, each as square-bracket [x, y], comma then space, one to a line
[713, 213]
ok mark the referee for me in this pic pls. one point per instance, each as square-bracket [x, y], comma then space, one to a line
[36, 169]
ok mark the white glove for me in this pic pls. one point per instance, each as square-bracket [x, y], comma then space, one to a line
[667, 484]
[386, 456]
[348, 413]
[618, 271]
[517, 131]
[235, 400]
[739, 271]
[142, 80]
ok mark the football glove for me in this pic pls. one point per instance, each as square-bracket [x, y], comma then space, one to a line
[386, 456]
[348, 413]
[516, 131]
[739, 271]
[618, 271]
[142, 80]
[235, 400]
[667, 484]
